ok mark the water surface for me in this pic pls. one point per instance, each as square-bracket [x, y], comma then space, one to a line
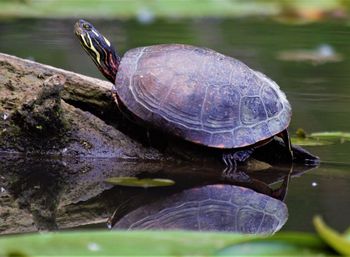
[319, 94]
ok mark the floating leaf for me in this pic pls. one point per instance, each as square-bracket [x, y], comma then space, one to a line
[319, 138]
[336, 135]
[136, 182]
[334, 239]
[310, 141]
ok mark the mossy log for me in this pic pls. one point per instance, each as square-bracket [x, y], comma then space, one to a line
[36, 116]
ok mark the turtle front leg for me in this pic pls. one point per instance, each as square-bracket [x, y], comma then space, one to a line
[286, 139]
[231, 159]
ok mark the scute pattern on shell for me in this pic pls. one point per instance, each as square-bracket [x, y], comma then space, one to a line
[201, 95]
[210, 208]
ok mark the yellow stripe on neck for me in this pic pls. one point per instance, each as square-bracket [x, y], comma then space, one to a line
[108, 43]
[92, 48]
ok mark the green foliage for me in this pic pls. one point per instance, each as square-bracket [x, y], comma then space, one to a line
[160, 8]
[108, 243]
[337, 135]
[309, 141]
[340, 243]
[268, 248]
[319, 138]
[176, 243]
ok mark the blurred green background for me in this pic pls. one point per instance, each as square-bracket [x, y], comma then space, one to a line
[309, 10]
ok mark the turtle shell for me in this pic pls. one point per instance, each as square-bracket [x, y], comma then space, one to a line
[201, 95]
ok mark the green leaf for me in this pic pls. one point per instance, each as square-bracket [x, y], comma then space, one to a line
[113, 243]
[154, 243]
[336, 135]
[310, 141]
[281, 244]
[347, 234]
[334, 239]
[136, 182]
[319, 138]
[268, 248]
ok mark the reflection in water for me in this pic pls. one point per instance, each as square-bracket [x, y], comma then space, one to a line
[47, 194]
[214, 208]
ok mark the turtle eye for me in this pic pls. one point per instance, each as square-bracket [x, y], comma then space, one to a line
[86, 26]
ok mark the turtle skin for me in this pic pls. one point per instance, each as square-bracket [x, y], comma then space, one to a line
[200, 95]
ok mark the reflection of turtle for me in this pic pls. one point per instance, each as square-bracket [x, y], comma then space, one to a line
[214, 207]
[194, 93]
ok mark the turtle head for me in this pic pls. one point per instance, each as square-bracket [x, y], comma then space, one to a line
[99, 48]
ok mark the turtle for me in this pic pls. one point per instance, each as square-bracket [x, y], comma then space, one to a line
[217, 207]
[193, 93]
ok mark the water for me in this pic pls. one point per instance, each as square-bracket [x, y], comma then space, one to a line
[319, 94]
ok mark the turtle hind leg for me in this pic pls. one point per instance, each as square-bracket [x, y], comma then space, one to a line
[286, 139]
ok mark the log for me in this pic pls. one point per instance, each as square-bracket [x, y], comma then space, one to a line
[36, 118]
[78, 88]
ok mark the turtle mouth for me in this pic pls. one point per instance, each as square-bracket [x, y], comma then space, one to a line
[82, 27]
[78, 30]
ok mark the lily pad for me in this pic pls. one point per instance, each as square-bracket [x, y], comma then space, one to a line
[308, 141]
[335, 135]
[338, 242]
[319, 138]
[137, 182]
